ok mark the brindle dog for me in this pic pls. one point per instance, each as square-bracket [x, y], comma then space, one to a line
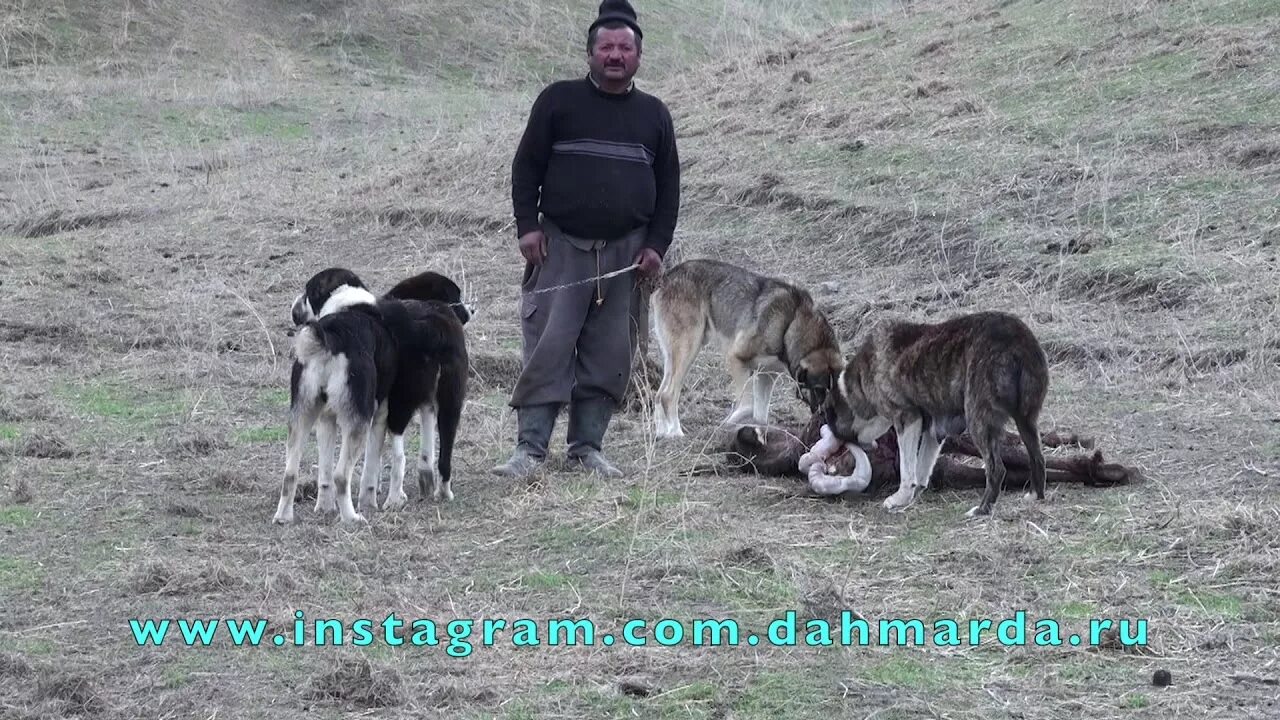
[930, 381]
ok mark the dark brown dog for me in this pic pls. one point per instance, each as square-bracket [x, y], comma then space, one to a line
[929, 382]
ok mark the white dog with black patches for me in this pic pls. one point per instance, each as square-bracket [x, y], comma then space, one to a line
[367, 364]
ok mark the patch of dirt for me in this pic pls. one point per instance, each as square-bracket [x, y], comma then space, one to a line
[358, 683]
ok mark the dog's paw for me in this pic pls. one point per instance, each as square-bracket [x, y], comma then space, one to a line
[368, 500]
[426, 479]
[898, 501]
[667, 429]
[977, 511]
[395, 502]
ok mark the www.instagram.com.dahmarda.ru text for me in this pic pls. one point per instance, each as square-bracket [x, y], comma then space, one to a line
[461, 636]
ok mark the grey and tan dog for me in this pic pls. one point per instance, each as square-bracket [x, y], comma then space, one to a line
[767, 327]
[974, 372]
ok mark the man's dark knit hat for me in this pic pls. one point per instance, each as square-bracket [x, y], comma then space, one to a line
[617, 10]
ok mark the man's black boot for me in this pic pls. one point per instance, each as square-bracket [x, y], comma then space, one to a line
[534, 434]
[588, 421]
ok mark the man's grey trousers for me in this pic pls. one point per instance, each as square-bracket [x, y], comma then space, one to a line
[575, 348]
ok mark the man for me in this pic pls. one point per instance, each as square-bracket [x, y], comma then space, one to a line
[595, 189]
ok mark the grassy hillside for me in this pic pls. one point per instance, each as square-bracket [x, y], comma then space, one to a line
[495, 44]
[170, 173]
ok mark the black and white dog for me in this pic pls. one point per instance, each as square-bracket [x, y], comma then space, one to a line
[366, 365]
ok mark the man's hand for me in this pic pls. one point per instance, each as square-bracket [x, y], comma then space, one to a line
[650, 262]
[533, 246]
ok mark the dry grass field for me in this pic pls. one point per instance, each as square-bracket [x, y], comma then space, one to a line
[171, 173]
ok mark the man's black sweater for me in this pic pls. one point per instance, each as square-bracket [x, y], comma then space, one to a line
[598, 164]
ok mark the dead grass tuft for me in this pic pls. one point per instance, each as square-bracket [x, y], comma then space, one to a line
[196, 445]
[496, 370]
[184, 509]
[1238, 55]
[13, 666]
[1142, 286]
[22, 493]
[748, 557]
[829, 604]
[59, 221]
[452, 219]
[230, 480]
[76, 693]
[929, 89]
[9, 413]
[1258, 155]
[163, 577]
[358, 682]
[933, 47]
[60, 333]
[50, 447]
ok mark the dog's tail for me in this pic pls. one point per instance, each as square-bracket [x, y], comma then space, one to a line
[1031, 392]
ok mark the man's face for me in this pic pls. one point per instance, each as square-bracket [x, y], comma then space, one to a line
[615, 56]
